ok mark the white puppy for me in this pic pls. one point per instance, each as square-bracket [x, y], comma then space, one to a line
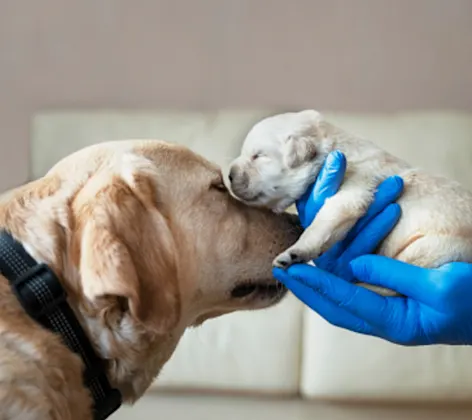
[282, 156]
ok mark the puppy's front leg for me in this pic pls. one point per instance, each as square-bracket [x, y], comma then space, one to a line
[335, 219]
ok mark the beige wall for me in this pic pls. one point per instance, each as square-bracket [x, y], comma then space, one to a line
[378, 55]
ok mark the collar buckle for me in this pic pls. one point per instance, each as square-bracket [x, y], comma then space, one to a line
[23, 288]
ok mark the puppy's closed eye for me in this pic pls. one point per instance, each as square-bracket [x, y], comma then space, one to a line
[256, 156]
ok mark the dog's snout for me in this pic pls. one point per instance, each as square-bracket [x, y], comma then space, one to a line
[284, 231]
[295, 223]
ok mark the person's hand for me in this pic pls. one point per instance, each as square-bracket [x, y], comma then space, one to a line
[436, 305]
[369, 231]
[436, 308]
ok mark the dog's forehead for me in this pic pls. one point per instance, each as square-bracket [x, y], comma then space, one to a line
[175, 155]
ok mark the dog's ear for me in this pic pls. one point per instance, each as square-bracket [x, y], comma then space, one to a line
[301, 145]
[126, 254]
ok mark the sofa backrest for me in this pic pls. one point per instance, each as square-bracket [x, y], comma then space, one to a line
[440, 142]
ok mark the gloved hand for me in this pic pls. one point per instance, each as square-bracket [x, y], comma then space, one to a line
[436, 308]
[367, 233]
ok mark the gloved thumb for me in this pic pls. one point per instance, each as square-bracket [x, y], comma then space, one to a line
[327, 184]
[406, 279]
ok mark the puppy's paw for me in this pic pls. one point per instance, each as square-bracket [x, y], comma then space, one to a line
[292, 256]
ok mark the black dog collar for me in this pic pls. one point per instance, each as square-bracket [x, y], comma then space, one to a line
[44, 299]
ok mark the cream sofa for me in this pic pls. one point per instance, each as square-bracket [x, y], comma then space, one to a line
[288, 350]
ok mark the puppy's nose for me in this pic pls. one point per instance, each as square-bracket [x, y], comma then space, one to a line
[231, 175]
[239, 181]
[238, 178]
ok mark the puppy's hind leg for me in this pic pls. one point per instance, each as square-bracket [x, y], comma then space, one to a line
[335, 219]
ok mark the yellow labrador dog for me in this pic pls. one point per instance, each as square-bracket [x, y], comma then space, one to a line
[146, 241]
[282, 155]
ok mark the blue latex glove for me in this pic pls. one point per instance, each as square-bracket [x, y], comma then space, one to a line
[437, 308]
[369, 231]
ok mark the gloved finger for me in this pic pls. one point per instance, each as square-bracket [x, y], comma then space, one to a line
[327, 184]
[373, 234]
[387, 192]
[340, 254]
[332, 313]
[374, 309]
[329, 259]
[408, 280]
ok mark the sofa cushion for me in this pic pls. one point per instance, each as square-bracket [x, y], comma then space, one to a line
[339, 364]
[245, 351]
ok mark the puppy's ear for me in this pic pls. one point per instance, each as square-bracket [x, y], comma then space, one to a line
[126, 256]
[301, 146]
[298, 150]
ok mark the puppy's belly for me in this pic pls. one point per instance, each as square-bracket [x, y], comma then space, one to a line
[435, 227]
[436, 223]
[430, 250]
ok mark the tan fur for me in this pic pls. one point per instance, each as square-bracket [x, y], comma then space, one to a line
[436, 222]
[146, 244]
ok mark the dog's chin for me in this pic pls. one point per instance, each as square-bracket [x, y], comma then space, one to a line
[249, 296]
[259, 294]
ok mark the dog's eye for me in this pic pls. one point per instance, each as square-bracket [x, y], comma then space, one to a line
[256, 156]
